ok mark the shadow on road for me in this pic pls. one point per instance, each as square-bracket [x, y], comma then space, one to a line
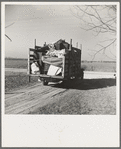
[86, 84]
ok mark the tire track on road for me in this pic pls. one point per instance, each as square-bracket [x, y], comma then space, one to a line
[31, 101]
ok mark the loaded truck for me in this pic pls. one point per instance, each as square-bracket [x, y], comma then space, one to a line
[59, 61]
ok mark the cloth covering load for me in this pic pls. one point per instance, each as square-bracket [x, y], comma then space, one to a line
[50, 58]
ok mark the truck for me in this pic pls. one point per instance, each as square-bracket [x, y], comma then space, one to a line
[68, 64]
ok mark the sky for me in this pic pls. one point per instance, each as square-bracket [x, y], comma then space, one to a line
[47, 23]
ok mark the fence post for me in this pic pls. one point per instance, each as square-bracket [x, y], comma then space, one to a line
[80, 54]
[35, 42]
[69, 63]
[70, 45]
[45, 44]
[29, 64]
[77, 44]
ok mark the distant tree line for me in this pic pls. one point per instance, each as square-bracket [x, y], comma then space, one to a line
[11, 58]
[83, 61]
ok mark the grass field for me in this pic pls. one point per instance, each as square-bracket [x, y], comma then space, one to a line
[99, 66]
[16, 80]
[88, 66]
[15, 63]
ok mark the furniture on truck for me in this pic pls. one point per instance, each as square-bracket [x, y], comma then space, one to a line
[71, 65]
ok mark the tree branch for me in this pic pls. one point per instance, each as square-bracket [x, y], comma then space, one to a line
[8, 37]
[103, 48]
[9, 25]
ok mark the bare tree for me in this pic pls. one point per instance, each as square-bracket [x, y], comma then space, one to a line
[101, 19]
[6, 34]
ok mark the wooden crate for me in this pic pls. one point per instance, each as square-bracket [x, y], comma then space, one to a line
[71, 62]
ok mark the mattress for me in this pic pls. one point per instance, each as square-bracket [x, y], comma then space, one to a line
[53, 60]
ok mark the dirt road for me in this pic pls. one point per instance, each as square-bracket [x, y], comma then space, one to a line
[26, 100]
[95, 95]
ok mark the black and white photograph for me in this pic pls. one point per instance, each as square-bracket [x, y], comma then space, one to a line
[60, 67]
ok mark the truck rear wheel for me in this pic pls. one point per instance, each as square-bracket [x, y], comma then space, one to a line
[45, 82]
[82, 75]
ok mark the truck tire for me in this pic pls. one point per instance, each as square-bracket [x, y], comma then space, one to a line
[45, 82]
[82, 77]
[82, 74]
